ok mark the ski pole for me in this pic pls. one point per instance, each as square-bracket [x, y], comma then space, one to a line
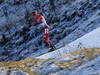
[25, 7]
[37, 42]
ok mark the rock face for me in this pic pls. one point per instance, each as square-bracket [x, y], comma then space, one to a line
[71, 19]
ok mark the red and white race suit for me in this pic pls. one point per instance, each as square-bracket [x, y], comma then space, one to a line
[40, 20]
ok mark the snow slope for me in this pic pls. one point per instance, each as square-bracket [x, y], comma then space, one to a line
[90, 40]
[79, 62]
[73, 18]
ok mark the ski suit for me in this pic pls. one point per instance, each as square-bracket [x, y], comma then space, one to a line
[40, 20]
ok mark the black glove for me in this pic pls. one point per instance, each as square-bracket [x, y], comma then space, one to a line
[35, 24]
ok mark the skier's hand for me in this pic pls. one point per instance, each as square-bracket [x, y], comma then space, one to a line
[31, 34]
[35, 24]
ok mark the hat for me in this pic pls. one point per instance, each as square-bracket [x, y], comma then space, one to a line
[34, 13]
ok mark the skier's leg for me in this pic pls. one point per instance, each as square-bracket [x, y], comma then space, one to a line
[50, 43]
[46, 35]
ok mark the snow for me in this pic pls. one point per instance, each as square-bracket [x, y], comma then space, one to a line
[82, 25]
[65, 32]
[90, 40]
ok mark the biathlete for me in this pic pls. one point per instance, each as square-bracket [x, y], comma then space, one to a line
[40, 20]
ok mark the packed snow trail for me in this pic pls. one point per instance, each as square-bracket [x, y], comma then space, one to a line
[90, 40]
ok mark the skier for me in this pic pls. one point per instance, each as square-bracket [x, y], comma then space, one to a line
[40, 20]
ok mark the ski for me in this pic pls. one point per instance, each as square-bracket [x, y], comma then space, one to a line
[52, 50]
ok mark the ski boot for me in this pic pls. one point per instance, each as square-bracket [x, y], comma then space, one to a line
[52, 48]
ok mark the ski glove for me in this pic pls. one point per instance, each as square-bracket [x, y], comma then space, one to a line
[32, 34]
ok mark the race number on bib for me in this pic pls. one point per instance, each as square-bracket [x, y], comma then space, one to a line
[46, 30]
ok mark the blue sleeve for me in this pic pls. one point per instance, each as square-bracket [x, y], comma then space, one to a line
[39, 22]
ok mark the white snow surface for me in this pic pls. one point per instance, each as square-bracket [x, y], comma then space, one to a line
[90, 40]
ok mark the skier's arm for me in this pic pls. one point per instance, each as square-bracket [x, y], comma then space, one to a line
[34, 23]
[38, 22]
[41, 19]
